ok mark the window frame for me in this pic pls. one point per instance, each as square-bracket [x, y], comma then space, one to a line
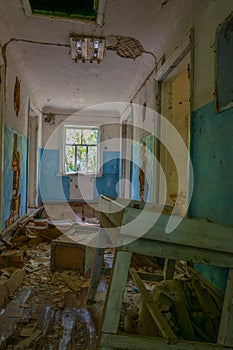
[100, 6]
[81, 13]
[97, 145]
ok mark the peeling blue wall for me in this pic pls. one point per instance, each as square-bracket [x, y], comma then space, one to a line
[57, 188]
[107, 184]
[52, 187]
[7, 181]
[212, 159]
[137, 164]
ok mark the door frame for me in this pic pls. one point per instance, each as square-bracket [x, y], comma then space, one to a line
[33, 142]
[185, 47]
[2, 96]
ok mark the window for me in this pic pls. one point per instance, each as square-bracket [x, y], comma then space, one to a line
[72, 8]
[81, 150]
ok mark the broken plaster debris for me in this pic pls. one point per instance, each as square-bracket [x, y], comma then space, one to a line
[48, 310]
[43, 319]
[127, 47]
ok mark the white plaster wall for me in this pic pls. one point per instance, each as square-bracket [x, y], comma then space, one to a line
[143, 106]
[81, 187]
[19, 123]
[204, 46]
[110, 137]
[181, 105]
[180, 119]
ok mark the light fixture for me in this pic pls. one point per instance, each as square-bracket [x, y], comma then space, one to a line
[87, 48]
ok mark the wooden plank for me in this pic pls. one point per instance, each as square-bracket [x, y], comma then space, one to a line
[15, 260]
[215, 292]
[147, 276]
[135, 342]
[181, 311]
[225, 335]
[112, 308]
[153, 309]
[169, 269]
[112, 210]
[207, 303]
[95, 274]
[175, 57]
[179, 252]
[190, 232]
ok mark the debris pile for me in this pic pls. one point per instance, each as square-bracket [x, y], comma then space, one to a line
[40, 309]
[186, 307]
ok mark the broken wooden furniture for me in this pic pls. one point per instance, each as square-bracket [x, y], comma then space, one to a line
[71, 251]
[194, 241]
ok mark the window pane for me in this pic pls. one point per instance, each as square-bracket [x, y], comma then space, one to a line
[90, 137]
[81, 158]
[69, 158]
[92, 159]
[73, 136]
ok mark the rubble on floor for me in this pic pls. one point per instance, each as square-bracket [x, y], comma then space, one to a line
[186, 307]
[45, 310]
[41, 309]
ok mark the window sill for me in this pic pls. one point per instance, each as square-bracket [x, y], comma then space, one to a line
[78, 173]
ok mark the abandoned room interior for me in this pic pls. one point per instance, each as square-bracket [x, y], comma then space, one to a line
[116, 179]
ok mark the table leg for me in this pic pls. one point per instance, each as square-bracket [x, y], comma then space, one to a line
[225, 334]
[113, 303]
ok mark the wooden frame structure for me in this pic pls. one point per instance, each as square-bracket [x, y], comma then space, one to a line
[194, 241]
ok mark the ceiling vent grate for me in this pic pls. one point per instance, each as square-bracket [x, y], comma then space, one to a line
[87, 49]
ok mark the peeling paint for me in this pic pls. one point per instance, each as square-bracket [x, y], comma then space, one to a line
[142, 171]
[15, 199]
[17, 96]
[127, 47]
[50, 118]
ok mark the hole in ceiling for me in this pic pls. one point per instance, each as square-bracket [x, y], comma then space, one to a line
[86, 9]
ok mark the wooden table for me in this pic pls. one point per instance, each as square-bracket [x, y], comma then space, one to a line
[193, 240]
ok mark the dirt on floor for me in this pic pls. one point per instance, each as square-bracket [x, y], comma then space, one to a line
[42, 309]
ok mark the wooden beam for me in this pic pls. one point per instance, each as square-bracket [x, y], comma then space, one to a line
[95, 274]
[175, 58]
[112, 308]
[153, 309]
[190, 232]
[179, 252]
[225, 335]
[169, 269]
[148, 276]
[136, 342]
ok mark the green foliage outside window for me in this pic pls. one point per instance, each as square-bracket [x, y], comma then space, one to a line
[81, 150]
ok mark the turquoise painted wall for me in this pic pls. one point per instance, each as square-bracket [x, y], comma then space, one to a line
[212, 159]
[52, 187]
[57, 188]
[7, 181]
[107, 184]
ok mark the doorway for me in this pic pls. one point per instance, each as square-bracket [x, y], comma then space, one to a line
[33, 127]
[174, 88]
